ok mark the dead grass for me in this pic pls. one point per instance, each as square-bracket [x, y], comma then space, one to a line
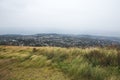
[55, 63]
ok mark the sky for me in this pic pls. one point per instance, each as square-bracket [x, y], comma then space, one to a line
[91, 17]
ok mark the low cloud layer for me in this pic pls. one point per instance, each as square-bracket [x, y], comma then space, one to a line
[94, 17]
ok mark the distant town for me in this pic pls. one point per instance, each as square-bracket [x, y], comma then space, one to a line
[59, 40]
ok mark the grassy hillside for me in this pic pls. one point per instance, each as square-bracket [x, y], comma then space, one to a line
[54, 63]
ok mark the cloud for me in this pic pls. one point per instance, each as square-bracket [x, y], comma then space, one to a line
[62, 16]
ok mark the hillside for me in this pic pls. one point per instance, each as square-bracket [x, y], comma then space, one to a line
[55, 63]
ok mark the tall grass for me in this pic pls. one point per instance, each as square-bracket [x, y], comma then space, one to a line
[75, 63]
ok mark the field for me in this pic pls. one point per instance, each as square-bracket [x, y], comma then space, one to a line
[55, 63]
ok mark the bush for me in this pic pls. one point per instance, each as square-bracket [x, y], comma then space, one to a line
[34, 50]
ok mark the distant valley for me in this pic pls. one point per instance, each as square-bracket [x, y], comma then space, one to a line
[59, 40]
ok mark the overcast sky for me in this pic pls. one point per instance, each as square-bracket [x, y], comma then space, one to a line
[94, 17]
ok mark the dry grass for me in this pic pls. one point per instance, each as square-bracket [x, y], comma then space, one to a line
[55, 63]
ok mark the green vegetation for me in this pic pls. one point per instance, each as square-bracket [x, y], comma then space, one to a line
[55, 63]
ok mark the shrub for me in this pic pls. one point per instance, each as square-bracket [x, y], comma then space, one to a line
[34, 50]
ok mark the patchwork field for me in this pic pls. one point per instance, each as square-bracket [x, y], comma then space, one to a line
[55, 63]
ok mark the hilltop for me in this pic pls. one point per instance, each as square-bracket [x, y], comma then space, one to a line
[55, 63]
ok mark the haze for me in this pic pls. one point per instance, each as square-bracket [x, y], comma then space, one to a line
[93, 17]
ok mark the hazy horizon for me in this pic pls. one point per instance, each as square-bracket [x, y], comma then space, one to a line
[88, 17]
